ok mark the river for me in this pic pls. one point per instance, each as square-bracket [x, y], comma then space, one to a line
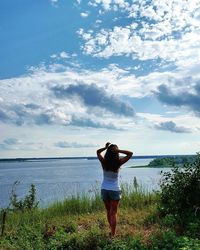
[56, 179]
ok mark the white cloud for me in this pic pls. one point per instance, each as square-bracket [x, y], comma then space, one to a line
[46, 109]
[170, 32]
[122, 41]
[189, 121]
[98, 21]
[66, 144]
[86, 36]
[84, 14]
[106, 3]
[63, 54]
[167, 30]
[53, 56]
[115, 80]
[25, 109]
[54, 2]
[15, 144]
[61, 113]
[110, 4]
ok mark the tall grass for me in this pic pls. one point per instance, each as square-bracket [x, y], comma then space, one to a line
[79, 204]
[79, 222]
[132, 197]
[136, 196]
[76, 204]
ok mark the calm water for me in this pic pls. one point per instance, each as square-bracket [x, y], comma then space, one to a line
[57, 179]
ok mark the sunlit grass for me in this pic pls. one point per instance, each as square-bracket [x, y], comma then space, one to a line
[81, 214]
[79, 222]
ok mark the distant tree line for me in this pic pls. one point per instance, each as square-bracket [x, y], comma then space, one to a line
[172, 161]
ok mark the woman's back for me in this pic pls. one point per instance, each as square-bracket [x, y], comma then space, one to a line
[110, 181]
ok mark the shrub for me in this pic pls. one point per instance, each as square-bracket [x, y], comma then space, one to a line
[27, 237]
[189, 244]
[169, 220]
[70, 227]
[29, 202]
[58, 239]
[192, 229]
[180, 190]
[128, 243]
[86, 240]
[168, 240]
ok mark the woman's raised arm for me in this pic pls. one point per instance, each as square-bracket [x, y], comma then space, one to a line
[100, 157]
[125, 158]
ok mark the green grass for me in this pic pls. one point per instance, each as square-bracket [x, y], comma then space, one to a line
[79, 222]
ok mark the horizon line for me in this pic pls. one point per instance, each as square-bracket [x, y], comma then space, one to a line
[86, 157]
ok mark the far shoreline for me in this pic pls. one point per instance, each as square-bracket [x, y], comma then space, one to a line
[147, 166]
[22, 159]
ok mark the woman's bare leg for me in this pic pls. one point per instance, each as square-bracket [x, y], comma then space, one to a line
[113, 216]
[107, 206]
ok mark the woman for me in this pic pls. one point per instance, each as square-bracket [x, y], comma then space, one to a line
[110, 190]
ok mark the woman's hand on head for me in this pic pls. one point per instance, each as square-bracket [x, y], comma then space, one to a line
[107, 144]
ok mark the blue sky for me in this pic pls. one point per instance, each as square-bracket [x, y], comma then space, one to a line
[76, 74]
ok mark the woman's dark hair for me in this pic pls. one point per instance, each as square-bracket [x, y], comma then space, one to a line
[111, 159]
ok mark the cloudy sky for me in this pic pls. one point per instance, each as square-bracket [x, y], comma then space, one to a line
[75, 74]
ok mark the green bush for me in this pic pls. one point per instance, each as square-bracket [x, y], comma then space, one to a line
[180, 190]
[189, 244]
[126, 244]
[168, 240]
[169, 220]
[193, 229]
[27, 237]
[86, 240]
[29, 202]
[57, 240]
[70, 227]
[151, 219]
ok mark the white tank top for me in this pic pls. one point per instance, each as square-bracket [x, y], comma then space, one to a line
[110, 181]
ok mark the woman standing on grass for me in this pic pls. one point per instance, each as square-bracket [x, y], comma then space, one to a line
[110, 190]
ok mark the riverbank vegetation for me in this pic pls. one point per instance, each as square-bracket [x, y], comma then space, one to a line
[168, 219]
[169, 162]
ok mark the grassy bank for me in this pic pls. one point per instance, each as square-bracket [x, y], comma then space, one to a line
[80, 222]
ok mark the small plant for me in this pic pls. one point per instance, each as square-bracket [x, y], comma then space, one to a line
[70, 227]
[29, 202]
[169, 220]
[129, 243]
[192, 229]
[166, 240]
[28, 236]
[189, 244]
[152, 219]
[135, 183]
